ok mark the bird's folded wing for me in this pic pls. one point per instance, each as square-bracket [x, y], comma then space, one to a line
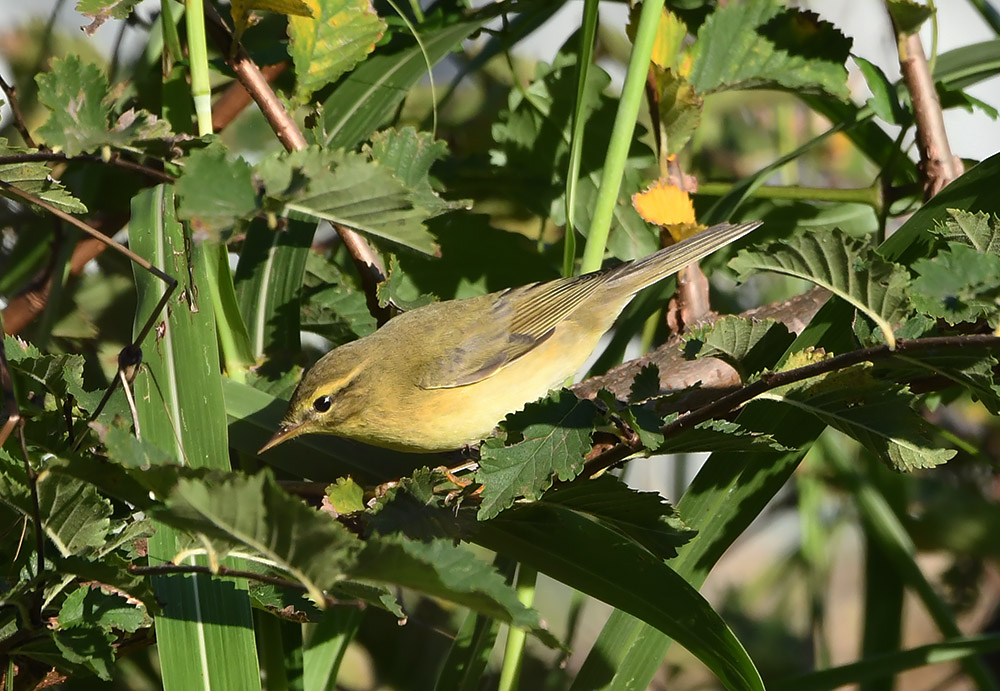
[520, 320]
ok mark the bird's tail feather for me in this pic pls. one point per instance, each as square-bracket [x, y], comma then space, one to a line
[648, 270]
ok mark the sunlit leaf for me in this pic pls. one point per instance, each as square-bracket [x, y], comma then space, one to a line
[841, 264]
[338, 35]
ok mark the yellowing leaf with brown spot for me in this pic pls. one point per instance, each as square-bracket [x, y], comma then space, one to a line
[338, 36]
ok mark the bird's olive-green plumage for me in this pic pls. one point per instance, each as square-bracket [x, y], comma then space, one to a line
[442, 376]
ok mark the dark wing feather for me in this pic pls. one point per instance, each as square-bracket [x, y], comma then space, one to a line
[520, 319]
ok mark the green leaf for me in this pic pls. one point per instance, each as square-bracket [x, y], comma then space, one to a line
[971, 371]
[757, 44]
[75, 516]
[884, 100]
[59, 375]
[532, 150]
[103, 10]
[717, 435]
[441, 569]
[215, 191]
[332, 305]
[34, 177]
[347, 189]
[178, 396]
[410, 155]
[80, 104]
[844, 266]
[645, 517]
[646, 384]
[89, 606]
[978, 230]
[748, 345]
[346, 496]
[339, 35]
[680, 109]
[957, 285]
[252, 512]
[879, 417]
[268, 282]
[129, 451]
[548, 438]
[74, 94]
[389, 291]
[908, 15]
[411, 508]
[972, 192]
[591, 556]
[369, 95]
[874, 668]
[87, 646]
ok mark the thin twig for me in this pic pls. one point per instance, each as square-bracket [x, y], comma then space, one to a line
[15, 108]
[225, 571]
[113, 160]
[134, 349]
[285, 127]
[938, 165]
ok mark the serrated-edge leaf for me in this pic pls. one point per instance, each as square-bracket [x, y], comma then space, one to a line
[451, 572]
[731, 53]
[556, 437]
[980, 230]
[885, 425]
[253, 512]
[842, 265]
[33, 177]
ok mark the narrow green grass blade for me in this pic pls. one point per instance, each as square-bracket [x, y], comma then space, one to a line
[590, 556]
[580, 113]
[890, 664]
[268, 282]
[621, 136]
[204, 635]
[883, 604]
[324, 645]
[883, 526]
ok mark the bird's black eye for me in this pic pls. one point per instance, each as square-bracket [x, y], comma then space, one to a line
[322, 404]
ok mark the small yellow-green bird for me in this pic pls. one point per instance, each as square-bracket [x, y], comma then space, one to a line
[442, 376]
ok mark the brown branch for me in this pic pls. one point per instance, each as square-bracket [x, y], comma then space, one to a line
[938, 165]
[236, 98]
[284, 126]
[25, 307]
[677, 372]
[15, 108]
[728, 403]
[225, 571]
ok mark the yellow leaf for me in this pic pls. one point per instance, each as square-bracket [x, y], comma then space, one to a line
[670, 34]
[664, 205]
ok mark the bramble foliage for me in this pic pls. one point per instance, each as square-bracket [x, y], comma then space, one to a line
[148, 519]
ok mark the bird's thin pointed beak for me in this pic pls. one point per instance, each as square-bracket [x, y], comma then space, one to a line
[284, 433]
